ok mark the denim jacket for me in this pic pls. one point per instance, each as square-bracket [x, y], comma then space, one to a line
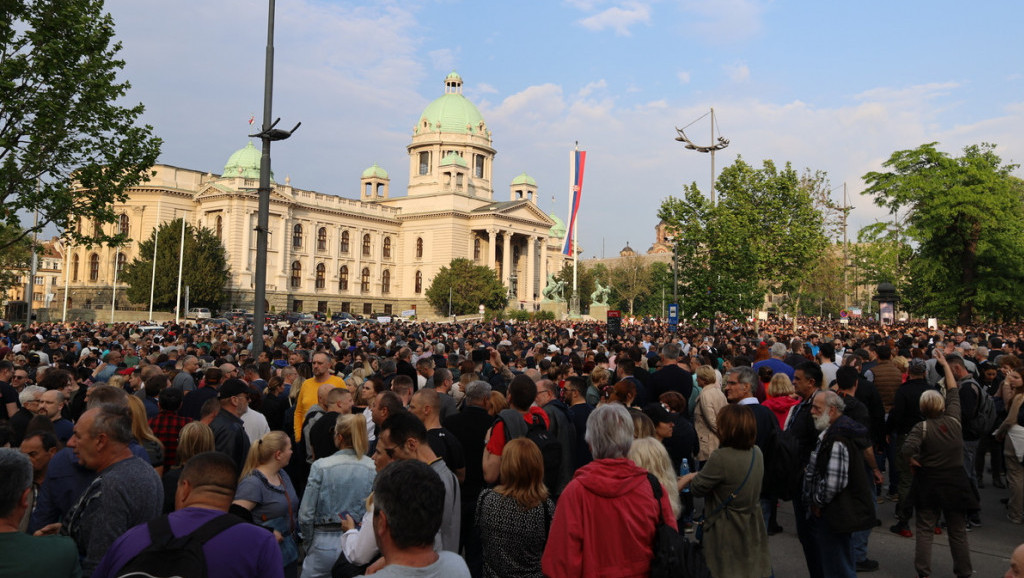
[336, 484]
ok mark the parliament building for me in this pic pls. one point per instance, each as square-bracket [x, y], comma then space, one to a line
[372, 253]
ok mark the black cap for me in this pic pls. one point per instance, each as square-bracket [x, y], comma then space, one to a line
[658, 413]
[231, 388]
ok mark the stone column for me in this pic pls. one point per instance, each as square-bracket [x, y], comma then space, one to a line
[543, 265]
[492, 241]
[531, 260]
[247, 232]
[506, 259]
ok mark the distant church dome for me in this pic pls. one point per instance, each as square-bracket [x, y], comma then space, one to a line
[245, 163]
[558, 229]
[524, 179]
[452, 112]
[375, 172]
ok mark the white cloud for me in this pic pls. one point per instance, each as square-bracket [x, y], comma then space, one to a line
[737, 72]
[619, 18]
[442, 60]
[683, 76]
[591, 87]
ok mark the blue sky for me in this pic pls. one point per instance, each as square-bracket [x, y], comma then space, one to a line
[828, 86]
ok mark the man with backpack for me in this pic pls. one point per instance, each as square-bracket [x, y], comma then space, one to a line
[978, 417]
[519, 420]
[200, 538]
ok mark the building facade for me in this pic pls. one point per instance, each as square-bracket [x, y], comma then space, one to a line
[371, 253]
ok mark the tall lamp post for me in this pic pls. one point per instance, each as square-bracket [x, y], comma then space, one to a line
[716, 145]
[268, 134]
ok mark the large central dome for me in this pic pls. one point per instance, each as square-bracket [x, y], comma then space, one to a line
[452, 112]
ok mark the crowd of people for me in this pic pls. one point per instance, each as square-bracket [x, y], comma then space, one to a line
[497, 448]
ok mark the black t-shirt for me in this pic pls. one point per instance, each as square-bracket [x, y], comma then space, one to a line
[7, 395]
[447, 447]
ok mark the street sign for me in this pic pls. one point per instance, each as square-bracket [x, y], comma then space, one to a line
[614, 322]
[673, 316]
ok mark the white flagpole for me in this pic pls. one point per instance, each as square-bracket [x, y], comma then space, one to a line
[572, 214]
[156, 241]
[113, 288]
[181, 261]
[67, 279]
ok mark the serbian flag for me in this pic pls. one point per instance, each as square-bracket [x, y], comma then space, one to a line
[577, 159]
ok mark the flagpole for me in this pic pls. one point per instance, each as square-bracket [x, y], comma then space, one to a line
[181, 261]
[67, 279]
[572, 184]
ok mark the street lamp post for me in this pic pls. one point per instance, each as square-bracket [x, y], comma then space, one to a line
[718, 145]
[267, 134]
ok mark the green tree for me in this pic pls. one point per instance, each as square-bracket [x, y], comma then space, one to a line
[469, 286]
[660, 294]
[17, 255]
[585, 277]
[762, 237]
[631, 278]
[963, 216]
[882, 255]
[67, 148]
[205, 271]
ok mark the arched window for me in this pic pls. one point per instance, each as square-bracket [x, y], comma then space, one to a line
[297, 236]
[220, 227]
[419, 282]
[344, 241]
[296, 274]
[366, 245]
[321, 276]
[385, 282]
[74, 267]
[119, 262]
[94, 267]
[364, 280]
[321, 239]
[343, 278]
[419, 247]
[387, 248]
[476, 249]
[123, 224]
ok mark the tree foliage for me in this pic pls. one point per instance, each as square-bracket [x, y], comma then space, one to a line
[631, 278]
[964, 217]
[18, 254]
[205, 271]
[469, 285]
[67, 149]
[762, 237]
[585, 277]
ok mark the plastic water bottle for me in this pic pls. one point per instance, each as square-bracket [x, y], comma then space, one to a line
[684, 468]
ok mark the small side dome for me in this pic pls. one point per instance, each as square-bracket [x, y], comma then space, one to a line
[558, 229]
[454, 159]
[375, 172]
[245, 163]
[524, 179]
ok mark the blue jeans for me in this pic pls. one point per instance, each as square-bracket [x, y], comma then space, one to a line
[859, 540]
[833, 550]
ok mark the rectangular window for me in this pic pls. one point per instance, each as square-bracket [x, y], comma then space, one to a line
[346, 307]
[425, 163]
[297, 305]
[387, 309]
[321, 306]
[39, 281]
[367, 308]
[478, 166]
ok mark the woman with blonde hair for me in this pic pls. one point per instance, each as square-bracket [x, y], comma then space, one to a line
[705, 416]
[651, 455]
[338, 484]
[145, 436]
[782, 397]
[599, 379]
[266, 490]
[514, 518]
[193, 439]
[498, 403]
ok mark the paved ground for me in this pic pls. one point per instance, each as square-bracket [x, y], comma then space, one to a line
[991, 544]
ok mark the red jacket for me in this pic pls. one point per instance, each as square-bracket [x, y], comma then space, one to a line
[780, 406]
[604, 523]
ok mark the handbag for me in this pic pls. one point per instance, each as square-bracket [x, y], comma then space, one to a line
[674, 555]
[698, 525]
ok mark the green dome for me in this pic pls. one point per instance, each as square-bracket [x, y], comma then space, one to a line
[524, 179]
[454, 159]
[245, 163]
[452, 112]
[558, 229]
[375, 172]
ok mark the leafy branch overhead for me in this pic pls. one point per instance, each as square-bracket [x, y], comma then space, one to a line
[67, 149]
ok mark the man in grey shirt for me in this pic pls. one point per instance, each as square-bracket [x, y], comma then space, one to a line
[184, 380]
[404, 522]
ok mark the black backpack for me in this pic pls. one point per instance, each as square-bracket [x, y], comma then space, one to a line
[985, 414]
[168, 556]
[782, 471]
[537, 432]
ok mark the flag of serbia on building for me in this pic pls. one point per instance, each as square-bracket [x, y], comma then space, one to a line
[577, 160]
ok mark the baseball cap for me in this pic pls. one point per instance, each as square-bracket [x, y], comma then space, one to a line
[658, 413]
[231, 388]
[917, 366]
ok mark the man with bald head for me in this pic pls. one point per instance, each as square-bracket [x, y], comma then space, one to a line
[426, 405]
[204, 494]
[313, 416]
[309, 392]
